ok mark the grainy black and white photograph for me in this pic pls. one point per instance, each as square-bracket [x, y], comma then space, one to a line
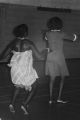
[39, 59]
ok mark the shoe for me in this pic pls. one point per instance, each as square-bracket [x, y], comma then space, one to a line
[61, 101]
[50, 101]
[11, 108]
[24, 109]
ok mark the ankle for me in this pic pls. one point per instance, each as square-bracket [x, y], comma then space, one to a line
[25, 105]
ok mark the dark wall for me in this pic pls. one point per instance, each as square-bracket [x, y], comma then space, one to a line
[12, 15]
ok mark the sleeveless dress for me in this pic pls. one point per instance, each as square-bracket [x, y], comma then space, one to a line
[22, 72]
[55, 63]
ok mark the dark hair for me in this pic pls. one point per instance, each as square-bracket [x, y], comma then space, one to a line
[55, 23]
[20, 30]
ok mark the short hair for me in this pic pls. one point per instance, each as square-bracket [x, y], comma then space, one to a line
[20, 30]
[55, 23]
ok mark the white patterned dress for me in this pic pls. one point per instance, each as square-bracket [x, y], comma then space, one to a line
[22, 72]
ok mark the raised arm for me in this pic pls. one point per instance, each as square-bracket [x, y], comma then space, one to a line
[70, 37]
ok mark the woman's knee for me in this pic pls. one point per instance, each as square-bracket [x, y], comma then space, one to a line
[35, 86]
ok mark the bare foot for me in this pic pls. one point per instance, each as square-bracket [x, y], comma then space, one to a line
[11, 108]
[24, 109]
[61, 101]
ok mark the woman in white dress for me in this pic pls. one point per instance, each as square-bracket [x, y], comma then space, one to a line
[23, 75]
[55, 63]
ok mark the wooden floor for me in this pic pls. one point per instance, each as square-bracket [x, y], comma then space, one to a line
[39, 108]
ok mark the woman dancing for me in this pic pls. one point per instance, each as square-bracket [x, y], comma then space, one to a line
[20, 52]
[55, 63]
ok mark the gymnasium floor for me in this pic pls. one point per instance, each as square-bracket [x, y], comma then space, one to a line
[39, 108]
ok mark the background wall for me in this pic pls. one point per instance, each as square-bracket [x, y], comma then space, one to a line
[12, 15]
[72, 4]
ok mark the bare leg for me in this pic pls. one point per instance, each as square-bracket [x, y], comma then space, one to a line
[52, 80]
[60, 91]
[61, 87]
[16, 92]
[29, 98]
